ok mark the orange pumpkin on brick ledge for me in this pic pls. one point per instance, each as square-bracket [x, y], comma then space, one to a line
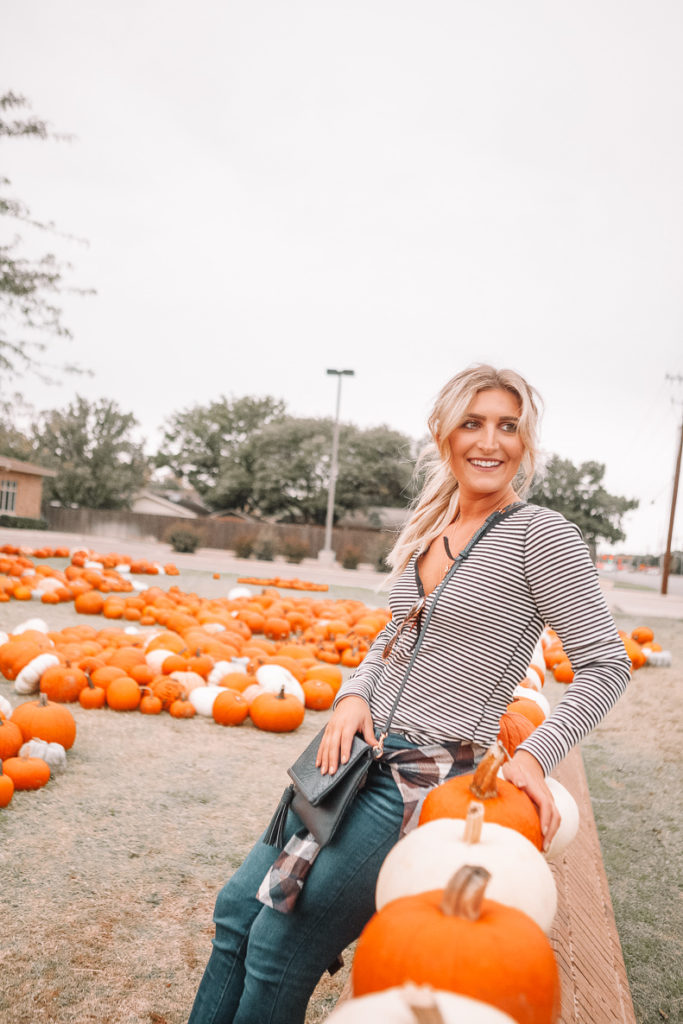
[504, 804]
[454, 939]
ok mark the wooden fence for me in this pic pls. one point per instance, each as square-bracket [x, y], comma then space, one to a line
[216, 533]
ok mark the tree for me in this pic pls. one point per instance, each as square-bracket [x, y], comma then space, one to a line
[577, 492]
[211, 447]
[247, 454]
[375, 468]
[98, 463]
[29, 314]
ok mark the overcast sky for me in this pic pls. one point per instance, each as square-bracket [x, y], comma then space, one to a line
[402, 188]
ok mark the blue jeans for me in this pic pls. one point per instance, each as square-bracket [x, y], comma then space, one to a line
[265, 964]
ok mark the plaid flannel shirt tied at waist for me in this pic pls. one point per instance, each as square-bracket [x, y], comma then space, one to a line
[415, 771]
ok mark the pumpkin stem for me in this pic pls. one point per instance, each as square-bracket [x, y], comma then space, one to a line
[484, 784]
[281, 695]
[42, 700]
[464, 893]
[422, 1004]
[473, 822]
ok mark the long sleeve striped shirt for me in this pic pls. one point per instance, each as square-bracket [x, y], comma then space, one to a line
[531, 569]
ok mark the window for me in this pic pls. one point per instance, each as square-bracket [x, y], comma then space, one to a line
[8, 495]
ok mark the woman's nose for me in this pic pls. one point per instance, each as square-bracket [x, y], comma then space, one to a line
[487, 440]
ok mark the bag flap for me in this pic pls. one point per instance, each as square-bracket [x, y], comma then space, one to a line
[307, 777]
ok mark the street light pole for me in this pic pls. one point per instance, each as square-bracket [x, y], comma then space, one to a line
[327, 553]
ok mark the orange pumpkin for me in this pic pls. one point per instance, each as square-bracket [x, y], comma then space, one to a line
[10, 739]
[63, 683]
[528, 708]
[27, 772]
[458, 941]
[43, 720]
[319, 694]
[563, 671]
[504, 804]
[328, 673]
[92, 696]
[230, 708]
[182, 708]
[123, 694]
[6, 788]
[277, 712]
[514, 729]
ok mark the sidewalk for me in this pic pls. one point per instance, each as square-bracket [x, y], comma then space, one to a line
[643, 604]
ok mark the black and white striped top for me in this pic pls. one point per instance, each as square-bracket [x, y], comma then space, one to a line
[531, 569]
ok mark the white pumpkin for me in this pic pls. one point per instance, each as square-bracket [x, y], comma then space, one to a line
[537, 657]
[537, 698]
[569, 813]
[190, 680]
[156, 658]
[393, 1006]
[213, 627]
[91, 563]
[531, 681]
[39, 625]
[253, 691]
[221, 669]
[5, 707]
[4, 637]
[203, 697]
[53, 754]
[150, 636]
[28, 680]
[274, 677]
[236, 592]
[48, 583]
[123, 568]
[429, 855]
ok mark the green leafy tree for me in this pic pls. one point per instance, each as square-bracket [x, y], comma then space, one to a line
[578, 493]
[91, 445]
[291, 469]
[247, 454]
[30, 314]
[211, 447]
[375, 468]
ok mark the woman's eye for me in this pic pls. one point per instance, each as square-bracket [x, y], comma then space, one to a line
[470, 425]
[509, 428]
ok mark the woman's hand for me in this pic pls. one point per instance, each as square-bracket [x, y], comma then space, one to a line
[351, 716]
[524, 771]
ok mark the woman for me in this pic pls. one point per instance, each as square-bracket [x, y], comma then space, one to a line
[529, 568]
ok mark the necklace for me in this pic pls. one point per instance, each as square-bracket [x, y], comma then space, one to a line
[447, 548]
[449, 556]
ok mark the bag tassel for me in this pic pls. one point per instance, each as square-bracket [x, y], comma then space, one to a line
[275, 833]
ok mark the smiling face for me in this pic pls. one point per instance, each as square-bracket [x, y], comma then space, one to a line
[486, 449]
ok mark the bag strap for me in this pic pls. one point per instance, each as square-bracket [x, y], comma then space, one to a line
[493, 519]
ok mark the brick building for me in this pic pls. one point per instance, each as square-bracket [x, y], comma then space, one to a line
[21, 488]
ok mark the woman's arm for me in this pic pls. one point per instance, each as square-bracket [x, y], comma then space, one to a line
[564, 585]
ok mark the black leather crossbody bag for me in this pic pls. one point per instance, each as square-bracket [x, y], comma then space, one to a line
[321, 801]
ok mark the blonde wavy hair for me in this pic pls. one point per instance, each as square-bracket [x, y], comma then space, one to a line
[437, 504]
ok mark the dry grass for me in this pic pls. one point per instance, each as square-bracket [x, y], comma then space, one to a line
[108, 875]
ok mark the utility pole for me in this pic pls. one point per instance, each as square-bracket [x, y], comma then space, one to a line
[327, 553]
[674, 494]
